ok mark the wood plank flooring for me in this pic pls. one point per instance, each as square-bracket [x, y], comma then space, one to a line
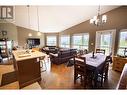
[59, 77]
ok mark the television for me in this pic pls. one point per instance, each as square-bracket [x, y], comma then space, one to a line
[33, 41]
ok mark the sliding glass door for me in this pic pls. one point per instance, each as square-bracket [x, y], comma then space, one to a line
[105, 40]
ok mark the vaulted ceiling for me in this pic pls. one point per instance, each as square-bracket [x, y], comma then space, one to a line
[55, 18]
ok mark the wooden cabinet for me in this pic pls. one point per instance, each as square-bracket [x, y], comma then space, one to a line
[5, 48]
[27, 71]
[118, 63]
[27, 67]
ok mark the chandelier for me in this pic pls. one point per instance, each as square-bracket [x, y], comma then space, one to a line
[99, 19]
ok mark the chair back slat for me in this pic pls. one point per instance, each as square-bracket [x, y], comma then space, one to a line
[100, 50]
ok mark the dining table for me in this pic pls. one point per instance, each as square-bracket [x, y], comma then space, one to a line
[94, 63]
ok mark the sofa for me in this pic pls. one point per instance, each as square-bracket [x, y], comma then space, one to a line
[62, 56]
[50, 49]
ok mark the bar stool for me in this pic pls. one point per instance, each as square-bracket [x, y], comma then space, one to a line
[43, 65]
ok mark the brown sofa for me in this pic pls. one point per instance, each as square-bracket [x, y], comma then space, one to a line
[62, 56]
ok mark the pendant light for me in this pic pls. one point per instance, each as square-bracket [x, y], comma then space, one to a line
[38, 32]
[29, 20]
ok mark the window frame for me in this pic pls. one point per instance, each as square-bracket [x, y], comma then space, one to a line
[113, 35]
[122, 30]
[82, 38]
[51, 36]
[65, 44]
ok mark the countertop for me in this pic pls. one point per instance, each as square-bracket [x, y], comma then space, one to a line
[23, 55]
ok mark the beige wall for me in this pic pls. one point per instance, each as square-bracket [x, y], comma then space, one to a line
[117, 19]
[11, 31]
[23, 36]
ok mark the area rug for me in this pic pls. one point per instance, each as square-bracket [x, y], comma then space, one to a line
[8, 78]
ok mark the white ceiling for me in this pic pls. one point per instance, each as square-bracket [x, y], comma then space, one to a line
[55, 18]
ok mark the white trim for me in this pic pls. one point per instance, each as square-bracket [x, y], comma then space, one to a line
[82, 35]
[78, 34]
[64, 36]
[113, 34]
[51, 36]
[122, 30]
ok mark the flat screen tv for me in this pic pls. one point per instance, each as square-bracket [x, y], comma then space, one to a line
[33, 41]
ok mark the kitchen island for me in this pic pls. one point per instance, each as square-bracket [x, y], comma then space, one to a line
[27, 66]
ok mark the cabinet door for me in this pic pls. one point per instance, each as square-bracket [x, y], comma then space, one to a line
[28, 70]
[118, 63]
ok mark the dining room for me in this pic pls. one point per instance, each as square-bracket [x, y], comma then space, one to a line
[62, 48]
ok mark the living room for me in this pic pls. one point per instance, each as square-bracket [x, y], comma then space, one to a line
[42, 47]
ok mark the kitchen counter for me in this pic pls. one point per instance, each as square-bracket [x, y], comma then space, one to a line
[23, 54]
[27, 66]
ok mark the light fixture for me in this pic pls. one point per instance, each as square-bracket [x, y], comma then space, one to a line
[99, 19]
[38, 32]
[30, 34]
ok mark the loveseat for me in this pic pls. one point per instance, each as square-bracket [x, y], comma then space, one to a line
[62, 56]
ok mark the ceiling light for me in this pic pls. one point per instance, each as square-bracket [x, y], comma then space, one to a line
[99, 19]
[39, 33]
[29, 34]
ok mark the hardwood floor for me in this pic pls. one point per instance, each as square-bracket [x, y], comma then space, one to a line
[59, 77]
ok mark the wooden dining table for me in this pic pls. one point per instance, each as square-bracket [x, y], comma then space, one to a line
[94, 63]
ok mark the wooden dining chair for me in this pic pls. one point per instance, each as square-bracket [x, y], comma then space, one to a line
[103, 71]
[100, 50]
[80, 70]
[81, 52]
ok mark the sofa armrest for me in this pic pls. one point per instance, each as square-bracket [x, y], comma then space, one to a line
[53, 55]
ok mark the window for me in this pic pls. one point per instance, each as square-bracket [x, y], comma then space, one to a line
[81, 41]
[51, 41]
[65, 41]
[105, 39]
[122, 42]
[105, 42]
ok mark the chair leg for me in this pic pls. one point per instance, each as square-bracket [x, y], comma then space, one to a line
[75, 76]
[84, 82]
[102, 80]
[43, 63]
[106, 74]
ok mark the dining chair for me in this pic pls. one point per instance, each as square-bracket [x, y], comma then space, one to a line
[80, 70]
[100, 50]
[103, 71]
[81, 52]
